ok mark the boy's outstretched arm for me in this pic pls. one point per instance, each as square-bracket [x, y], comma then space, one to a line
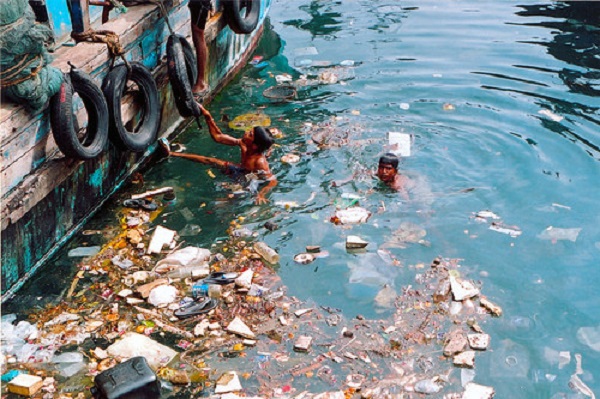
[216, 133]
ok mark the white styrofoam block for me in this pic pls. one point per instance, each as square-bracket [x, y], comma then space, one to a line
[400, 143]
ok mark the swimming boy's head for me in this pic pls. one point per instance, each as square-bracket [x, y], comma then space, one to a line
[262, 138]
[388, 167]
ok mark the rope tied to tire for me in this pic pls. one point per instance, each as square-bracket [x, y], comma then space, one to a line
[110, 38]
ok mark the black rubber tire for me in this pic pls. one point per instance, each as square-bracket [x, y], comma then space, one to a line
[242, 15]
[182, 68]
[114, 86]
[63, 120]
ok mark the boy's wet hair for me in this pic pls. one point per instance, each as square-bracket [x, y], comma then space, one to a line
[389, 159]
[263, 138]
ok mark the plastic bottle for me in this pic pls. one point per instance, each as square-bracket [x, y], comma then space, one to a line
[199, 289]
[195, 272]
[268, 253]
[214, 291]
[169, 198]
[427, 387]
[83, 251]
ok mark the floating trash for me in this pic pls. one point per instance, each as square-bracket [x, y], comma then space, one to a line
[487, 214]
[281, 92]
[283, 78]
[122, 263]
[304, 62]
[256, 60]
[512, 231]
[190, 230]
[247, 121]
[399, 143]
[287, 204]
[556, 234]
[353, 242]
[448, 107]
[304, 258]
[551, 115]
[352, 215]
[290, 158]
[590, 336]
[83, 251]
[261, 65]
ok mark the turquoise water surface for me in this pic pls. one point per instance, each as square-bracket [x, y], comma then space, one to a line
[502, 101]
[500, 97]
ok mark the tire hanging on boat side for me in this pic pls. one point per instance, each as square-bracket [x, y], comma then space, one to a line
[242, 15]
[78, 143]
[135, 138]
[182, 67]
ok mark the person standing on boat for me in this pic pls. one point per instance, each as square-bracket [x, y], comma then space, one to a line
[254, 146]
[199, 11]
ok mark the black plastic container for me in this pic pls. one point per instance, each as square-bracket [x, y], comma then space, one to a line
[132, 379]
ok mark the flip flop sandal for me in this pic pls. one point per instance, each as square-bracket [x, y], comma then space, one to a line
[196, 308]
[143, 203]
[221, 278]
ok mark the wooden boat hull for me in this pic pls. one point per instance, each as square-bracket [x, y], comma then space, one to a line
[46, 197]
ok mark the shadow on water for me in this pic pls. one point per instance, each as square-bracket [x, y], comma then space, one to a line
[577, 25]
[323, 21]
[574, 28]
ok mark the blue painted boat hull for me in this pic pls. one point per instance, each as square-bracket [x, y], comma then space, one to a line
[46, 198]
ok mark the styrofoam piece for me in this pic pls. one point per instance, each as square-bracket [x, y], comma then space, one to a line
[400, 143]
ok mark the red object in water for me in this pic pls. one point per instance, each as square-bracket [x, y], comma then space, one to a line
[256, 59]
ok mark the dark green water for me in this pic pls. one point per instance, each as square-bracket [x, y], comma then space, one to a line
[523, 81]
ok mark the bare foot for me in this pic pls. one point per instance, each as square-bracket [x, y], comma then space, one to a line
[200, 92]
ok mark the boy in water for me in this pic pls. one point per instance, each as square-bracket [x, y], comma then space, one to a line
[387, 172]
[254, 145]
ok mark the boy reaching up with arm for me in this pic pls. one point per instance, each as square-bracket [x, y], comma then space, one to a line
[254, 145]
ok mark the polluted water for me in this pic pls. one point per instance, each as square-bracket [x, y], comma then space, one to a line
[479, 282]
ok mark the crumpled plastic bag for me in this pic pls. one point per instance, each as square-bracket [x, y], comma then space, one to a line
[557, 234]
[590, 336]
[352, 215]
[162, 295]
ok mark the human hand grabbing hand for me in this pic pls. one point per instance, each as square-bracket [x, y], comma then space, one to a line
[203, 110]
